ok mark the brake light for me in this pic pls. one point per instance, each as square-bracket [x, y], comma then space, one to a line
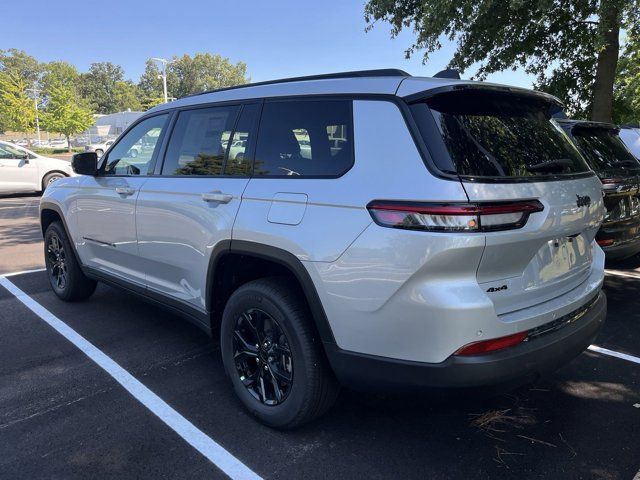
[492, 345]
[453, 217]
[604, 243]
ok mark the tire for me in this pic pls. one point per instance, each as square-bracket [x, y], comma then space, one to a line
[65, 276]
[50, 178]
[312, 388]
[99, 152]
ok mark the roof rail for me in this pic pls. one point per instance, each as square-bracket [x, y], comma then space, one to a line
[383, 72]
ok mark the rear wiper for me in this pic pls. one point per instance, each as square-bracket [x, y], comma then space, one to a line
[557, 164]
[626, 162]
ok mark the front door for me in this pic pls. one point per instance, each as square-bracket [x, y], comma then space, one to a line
[106, 203]
[190, 208]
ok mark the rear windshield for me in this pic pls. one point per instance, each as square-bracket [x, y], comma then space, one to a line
[487, 134]
[605, 151]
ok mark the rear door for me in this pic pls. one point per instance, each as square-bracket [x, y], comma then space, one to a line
[504, 148]
[187, 210]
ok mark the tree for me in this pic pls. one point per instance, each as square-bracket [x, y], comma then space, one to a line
[21, 64]
[18, 73]
[66, 112]
[98, 86]
[17, 109]
[626, 91]
[571, 46]
[187, 75]
[128, 96]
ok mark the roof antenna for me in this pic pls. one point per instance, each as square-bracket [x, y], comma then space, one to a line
[448, 73]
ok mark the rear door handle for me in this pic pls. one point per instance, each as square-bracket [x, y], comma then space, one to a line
[217, 196]
[125, 191]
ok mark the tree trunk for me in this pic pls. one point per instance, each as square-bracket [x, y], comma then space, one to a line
[68, 143]
[607, 61]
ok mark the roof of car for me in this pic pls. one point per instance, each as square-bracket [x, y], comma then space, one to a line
[367, 82]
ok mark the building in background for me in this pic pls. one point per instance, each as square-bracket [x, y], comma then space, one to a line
[112, 125]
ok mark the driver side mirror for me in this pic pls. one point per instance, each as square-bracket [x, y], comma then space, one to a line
[85, 163]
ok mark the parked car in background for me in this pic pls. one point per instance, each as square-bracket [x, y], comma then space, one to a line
[630, 135]
[619, 172]
[22, 170]
[446, 240]
[99, 147]
[59, 143]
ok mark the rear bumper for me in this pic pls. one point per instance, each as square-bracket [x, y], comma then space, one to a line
[518, 364]
[625, 238]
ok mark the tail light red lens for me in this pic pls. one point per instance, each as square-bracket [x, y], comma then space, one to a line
[458, 217]
[486, 346]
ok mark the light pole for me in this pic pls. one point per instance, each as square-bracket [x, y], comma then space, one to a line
[164, 62]
[36, 92]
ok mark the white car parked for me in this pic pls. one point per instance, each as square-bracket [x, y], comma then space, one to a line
[22, 170]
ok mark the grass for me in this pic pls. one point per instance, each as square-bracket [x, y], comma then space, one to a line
[54, 151]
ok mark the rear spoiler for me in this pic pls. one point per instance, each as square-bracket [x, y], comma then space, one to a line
[555, 105]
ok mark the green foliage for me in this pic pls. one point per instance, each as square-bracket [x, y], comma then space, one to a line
[17, 109]
[187, 75]
[626, 91]
[127, 95]
[98, 86]
[557, 41]
[66, 112]
[21, 64]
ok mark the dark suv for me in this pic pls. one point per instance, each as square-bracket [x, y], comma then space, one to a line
[619, 172]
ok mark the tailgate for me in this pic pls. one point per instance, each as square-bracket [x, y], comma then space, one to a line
[552, 253]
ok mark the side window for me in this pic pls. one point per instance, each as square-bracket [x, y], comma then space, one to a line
[305, 138]
[133, 153]
[239, 159]
[199, 141]
[5, 154]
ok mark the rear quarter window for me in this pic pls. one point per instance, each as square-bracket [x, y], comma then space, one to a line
[305, 138]
[605, 151]
[482, 134]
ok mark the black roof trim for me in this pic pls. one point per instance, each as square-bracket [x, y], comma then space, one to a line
[382, 72]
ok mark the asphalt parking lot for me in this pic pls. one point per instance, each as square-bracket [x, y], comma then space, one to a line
[62, 415]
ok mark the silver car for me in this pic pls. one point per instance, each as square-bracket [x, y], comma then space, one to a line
[445, 241]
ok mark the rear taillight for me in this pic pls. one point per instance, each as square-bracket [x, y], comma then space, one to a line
[458, 217]
[486, 346]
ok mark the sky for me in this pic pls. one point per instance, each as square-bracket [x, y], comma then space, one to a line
[276, 39]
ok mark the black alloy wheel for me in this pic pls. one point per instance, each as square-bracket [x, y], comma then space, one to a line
[57, 262]
[262, 357]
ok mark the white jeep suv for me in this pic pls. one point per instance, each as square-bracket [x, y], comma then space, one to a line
[378, 231]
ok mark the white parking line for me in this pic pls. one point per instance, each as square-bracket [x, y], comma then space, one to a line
[618, 273]
[613, 353]
[208, 447]
[13, 274]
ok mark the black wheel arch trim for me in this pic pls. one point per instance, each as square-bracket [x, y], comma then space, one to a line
[282, 257]
[56, 208]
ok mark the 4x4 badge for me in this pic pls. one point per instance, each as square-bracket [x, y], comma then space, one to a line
[583, 201]
[497, 289]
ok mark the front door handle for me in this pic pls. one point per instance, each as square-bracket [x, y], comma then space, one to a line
[217, 196]
[125, 191]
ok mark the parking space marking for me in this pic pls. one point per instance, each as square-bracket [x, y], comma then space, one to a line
[208, 447]
[13, 274]
[613, 353]
[618, 273]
